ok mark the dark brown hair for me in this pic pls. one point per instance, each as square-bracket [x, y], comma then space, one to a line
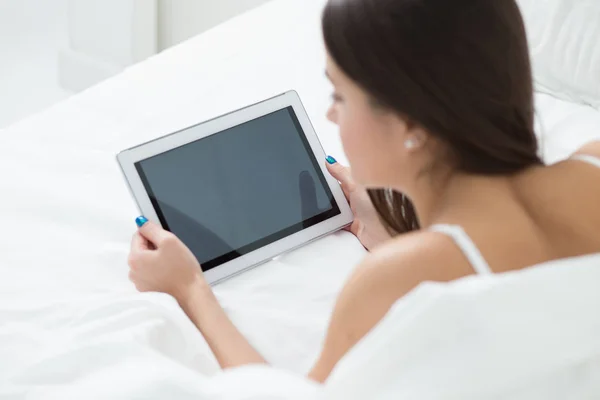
[458, 68]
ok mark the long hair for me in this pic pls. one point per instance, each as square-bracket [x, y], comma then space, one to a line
[459, 68]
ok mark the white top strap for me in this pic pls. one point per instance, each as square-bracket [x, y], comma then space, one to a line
[595, 161]
[466, 245]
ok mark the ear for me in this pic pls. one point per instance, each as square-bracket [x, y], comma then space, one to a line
[407, 133]
[421, 135]
[415, 137]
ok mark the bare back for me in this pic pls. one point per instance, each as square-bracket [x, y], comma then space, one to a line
[551, 213]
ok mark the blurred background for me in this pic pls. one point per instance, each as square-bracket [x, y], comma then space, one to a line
[51, 49]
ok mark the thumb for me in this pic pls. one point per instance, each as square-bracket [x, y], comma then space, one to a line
[342, 174]
[152, 232]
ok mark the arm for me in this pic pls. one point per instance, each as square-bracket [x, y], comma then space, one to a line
[160, 262]
[227, 343]
[385, 276]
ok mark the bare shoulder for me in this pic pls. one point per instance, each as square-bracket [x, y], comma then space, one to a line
[591, 149]
[573, 182]
[578, 178]
[561, 203]
[385, 276]
[417, 257]
[400, 265]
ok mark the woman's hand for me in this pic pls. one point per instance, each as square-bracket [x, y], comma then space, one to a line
[367, 226]
[160, 262]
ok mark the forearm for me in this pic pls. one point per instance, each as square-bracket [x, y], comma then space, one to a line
[227, 343]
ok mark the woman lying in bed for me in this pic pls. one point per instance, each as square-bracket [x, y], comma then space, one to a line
[433, 99]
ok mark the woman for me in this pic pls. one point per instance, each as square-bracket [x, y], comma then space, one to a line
[433, 99]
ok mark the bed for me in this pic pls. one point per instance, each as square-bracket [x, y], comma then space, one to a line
[71, 324]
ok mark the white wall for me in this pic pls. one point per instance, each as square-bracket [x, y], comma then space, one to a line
[104, 29]
[181, 19]
[31, 34]
[104, 38]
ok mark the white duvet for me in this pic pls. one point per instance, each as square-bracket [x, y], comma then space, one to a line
[72, 326]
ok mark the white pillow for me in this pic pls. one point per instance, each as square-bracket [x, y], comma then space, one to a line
[564, 37]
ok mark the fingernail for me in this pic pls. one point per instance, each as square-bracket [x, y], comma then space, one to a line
[140, 221]
[331, 160]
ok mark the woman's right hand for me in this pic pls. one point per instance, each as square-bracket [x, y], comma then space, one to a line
[367, 225]
[161, 262]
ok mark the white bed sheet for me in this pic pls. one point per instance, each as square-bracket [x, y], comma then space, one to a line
[68, 217]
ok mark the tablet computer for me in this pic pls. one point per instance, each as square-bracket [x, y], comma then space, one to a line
[240, 189]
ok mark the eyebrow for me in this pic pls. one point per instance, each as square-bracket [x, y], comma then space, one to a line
[328, 76]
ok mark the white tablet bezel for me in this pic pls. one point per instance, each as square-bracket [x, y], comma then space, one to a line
[128, 158]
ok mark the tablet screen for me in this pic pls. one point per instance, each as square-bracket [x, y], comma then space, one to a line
[240, 189]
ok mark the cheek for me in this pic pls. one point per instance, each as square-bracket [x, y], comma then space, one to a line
[359, 139]
[370, 143]
[349, 133]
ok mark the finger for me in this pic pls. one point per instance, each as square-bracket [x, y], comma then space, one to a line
[356, 227]
[353, 228]
[343, 175]
[139, 258]
[139, 286]
[150, 231]
[139, 243]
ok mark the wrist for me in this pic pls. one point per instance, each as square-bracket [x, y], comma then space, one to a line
[193, 291]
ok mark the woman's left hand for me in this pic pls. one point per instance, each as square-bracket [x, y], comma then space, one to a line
[160, 262]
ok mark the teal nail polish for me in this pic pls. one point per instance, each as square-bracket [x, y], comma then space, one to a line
[140, 221]
[331, 160]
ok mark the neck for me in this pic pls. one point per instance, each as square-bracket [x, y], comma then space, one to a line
[427, 196]
[441, 199]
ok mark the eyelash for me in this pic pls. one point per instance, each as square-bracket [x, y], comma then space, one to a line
[336, 98]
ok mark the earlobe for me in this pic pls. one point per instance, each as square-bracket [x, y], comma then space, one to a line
[416, 139]
[410, 143]
[404, 129]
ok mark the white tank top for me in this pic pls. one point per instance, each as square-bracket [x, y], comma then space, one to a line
[468, 247]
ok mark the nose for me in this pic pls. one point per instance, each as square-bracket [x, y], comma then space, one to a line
[332, 114]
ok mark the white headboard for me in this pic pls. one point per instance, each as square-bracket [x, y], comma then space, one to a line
[564, 37]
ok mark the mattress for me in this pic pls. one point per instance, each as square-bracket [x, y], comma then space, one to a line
[68, 217]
